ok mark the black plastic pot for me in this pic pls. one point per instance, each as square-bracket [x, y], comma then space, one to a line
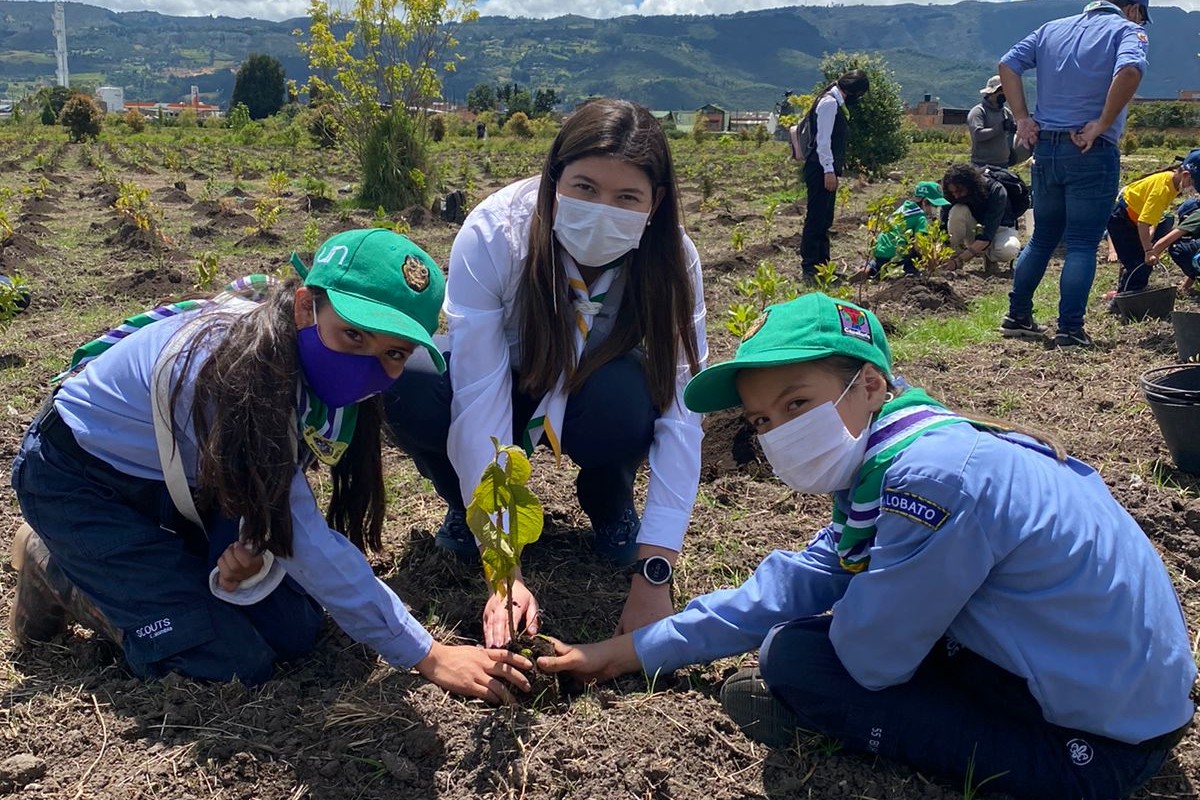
[1187, 334]
[1173, 394]
[1147, 304]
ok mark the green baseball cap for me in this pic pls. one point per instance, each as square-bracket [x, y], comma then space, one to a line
[811, 327]
[382, 282]
[929, 190]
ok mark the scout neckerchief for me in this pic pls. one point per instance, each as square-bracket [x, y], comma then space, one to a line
[900, 422]
[326, 432]
[586, 303]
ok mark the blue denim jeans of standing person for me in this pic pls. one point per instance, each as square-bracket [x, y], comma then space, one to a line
[119, 540]
[1073, 194]
[959, 711]
[607, 430]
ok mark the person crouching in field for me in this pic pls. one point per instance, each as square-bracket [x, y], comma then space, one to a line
[982, 219]
[179, 442]
[1182, 243]
[995, 611]
[1139, 219]
[909, 219]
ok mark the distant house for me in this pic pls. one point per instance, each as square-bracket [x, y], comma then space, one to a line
[665, 118]
[742, 120]
[716, 119]
[152, 110]
[929, 113]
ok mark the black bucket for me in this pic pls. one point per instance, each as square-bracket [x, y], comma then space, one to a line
[1187, 334]
[1147, 304]
[1173, 394]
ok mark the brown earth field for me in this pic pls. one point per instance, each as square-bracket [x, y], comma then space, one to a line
[342, 724]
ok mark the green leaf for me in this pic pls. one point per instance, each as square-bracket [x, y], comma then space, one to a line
[525, 518]
[491, 495]
[517, 467]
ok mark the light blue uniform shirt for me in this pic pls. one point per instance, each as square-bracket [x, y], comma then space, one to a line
[107, 407]
[1034, 566]
[1076, 59]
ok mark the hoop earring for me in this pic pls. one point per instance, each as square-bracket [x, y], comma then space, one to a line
[889, 397]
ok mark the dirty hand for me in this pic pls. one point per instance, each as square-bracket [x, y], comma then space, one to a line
[236, 564]
[831, 181]
[646, 603]
[592, 662]
[1085, 136]
[495, 614]
[1027, 132]
[475, 672]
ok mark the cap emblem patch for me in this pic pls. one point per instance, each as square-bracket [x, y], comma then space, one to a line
[854, 322]
[416, 274]
[755, 327]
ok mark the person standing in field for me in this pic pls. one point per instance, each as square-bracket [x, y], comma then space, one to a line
[575, 309]
[1088, 67]
[996, 613]
[992, 130]
[828, 123]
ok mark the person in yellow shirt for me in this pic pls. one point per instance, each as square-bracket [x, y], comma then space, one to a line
[1139, 219]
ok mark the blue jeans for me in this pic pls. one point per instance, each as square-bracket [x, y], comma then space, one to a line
[1073, 195]
[119, 540]
[957, 709]
[607, 430]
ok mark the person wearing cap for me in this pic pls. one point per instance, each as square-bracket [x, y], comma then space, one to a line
[980, 219]
[198, 420]
[991, 126]
[575, 309]
[996, 612]
[1182, 243]
[909, 219]
[1139, 220]
[1088, 68]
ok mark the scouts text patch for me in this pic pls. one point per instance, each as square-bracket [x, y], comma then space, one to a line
[854, 322]
[918, 509]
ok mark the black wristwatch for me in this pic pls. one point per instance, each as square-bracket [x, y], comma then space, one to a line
[655, 569]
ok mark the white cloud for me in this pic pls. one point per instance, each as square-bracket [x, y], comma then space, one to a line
[287, 9]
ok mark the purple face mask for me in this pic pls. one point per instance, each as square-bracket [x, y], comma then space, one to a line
[339, 379]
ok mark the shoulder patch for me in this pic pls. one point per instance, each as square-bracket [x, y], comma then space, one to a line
[913, 507]
[854, 322]
[1142, 37]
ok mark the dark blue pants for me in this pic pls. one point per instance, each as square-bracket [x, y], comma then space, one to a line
[1135, 273]
[818, 218]
[121, 543]
[1183, 253]
[957, 710]
[607, 431]
[1073, 194]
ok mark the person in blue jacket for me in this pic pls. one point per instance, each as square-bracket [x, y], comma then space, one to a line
[163, 483]
[995, 612]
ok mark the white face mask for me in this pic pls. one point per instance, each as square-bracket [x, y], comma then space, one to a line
[814, 453]
[596, 234]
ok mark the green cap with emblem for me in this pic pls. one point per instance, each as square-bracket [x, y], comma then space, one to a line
[811, 327]
[381, 282]
[929, 190]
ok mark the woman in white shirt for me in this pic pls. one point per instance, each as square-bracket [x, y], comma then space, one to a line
[576, 318]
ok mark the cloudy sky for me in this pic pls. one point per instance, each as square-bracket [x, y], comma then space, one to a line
[284, 9]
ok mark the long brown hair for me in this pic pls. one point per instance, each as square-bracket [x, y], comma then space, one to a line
[243, 416]
[657, 306]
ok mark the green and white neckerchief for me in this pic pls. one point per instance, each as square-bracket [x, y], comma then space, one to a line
[901, 421]
[587, 303]
[326, 432]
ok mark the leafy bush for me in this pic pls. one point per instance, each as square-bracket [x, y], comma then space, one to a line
[437, 127]
[82, 118]
[877, 137]
[134, 121]
[239, 117]
[518, 126]
[393, 166]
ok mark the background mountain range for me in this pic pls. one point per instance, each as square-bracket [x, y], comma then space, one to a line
[738, 61]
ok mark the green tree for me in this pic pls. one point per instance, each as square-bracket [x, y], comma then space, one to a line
[260, 84]
[48, 115]
[877, 137]
[391, 55]
[481, 98]
[239, 116]
[518, 126]
[55, 96]
[543, 102]
[82, 118]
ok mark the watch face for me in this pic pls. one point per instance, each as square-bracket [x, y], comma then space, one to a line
[657, 570]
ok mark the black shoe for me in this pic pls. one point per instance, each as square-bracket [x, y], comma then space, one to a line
[617, 540]
[455, 537]
[1022, 327]
[1073, 337]
[761, 716]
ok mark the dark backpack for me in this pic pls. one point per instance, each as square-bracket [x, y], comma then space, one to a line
[1014, 187]
[1187, 208]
